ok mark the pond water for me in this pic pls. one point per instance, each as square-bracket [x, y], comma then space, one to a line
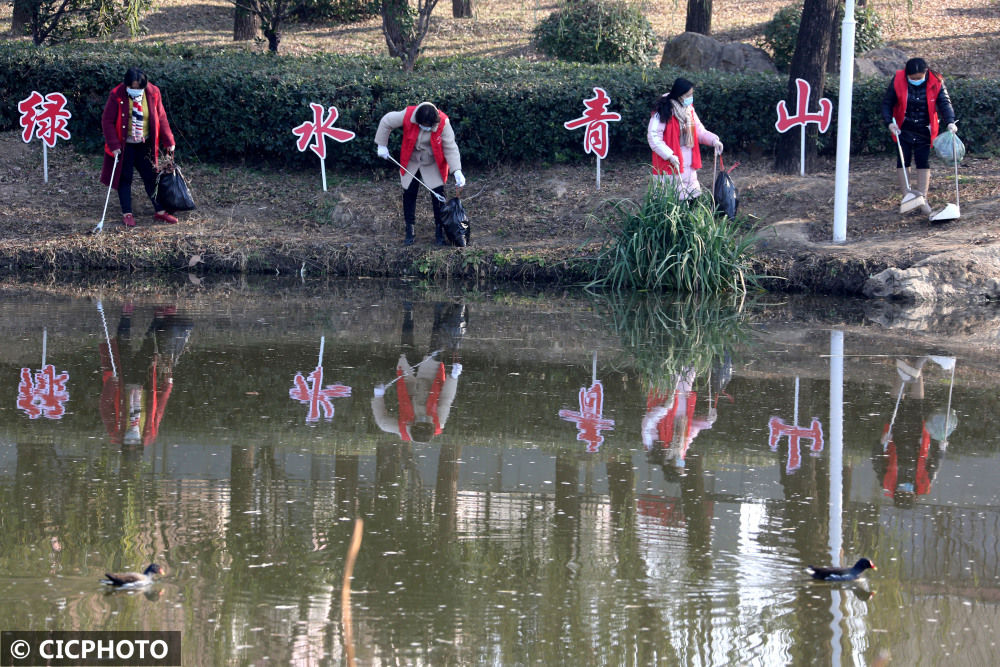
[555, 478]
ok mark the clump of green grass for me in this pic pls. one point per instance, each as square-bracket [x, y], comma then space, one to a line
[664, 243]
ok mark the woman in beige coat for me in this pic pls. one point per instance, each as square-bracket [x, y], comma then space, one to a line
[428, 152]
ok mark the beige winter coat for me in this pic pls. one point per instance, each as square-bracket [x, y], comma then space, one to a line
[422, 159]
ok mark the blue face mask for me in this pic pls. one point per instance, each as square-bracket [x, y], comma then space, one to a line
[918, 82]
[688, 101]
[134, 92]
[426, 129]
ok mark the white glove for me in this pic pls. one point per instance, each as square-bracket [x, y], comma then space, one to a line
[379, 390]
[383, 152]
[893, 127]
[674, 161]
[460, 179]
[456, 368]
[718, 148]
[953, 128]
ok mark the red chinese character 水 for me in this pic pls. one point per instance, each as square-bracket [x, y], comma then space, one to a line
[589, 420]
[319, 128]
[595, 118]
[311, 390]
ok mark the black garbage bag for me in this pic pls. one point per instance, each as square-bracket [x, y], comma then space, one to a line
[172, 193]
[455, 222]
[727, 199]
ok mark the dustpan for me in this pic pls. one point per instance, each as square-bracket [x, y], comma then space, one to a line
[913, 198]
[950, 211]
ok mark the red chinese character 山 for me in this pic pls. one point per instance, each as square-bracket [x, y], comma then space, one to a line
[595, 119]
[802, 116]
[318, 129]
[777, 429]
[44, 393]
[310, 390]
[44, 117]
[589, 420]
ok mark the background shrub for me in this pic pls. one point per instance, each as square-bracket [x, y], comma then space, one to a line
[597, 31]
[337, 11]
[782, 32]
[240, 106]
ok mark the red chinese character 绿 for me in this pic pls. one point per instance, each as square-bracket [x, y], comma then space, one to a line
[44, 117]
[319, 128]
[318, 397]
[589, 420]
[44, 393]
[595, 117]
[777, 429]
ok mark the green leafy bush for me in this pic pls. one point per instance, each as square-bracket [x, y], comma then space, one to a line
[668, 244]
[597, 31]
[337, 11]
[229, 105]
[782, 32]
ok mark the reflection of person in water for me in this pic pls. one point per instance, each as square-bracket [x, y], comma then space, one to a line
[137, 381]
[905, 458]
[425, 391]
[670, 423]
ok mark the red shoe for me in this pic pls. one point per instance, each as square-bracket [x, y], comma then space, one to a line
[128, 220]
[165, 217]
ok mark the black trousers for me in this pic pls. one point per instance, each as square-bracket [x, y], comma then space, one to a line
[410, 203]
[135, 157]
[916, 145]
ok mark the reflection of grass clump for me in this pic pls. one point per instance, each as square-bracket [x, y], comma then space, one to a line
[666, 243]
[665, 335]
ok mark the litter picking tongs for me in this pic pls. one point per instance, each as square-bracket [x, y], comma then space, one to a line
[100, 226]
[913, 198]
[414, 176]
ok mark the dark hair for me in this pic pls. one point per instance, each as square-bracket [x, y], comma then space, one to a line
[426, 115]
[422, 431]
[915, 66]
[680, 88]
[135, 74]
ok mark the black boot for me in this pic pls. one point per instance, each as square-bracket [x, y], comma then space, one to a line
[409, 234]
[439, 234]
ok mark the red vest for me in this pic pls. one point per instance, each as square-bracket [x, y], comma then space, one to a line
[672, 138]
[933, 89]
[410, 133]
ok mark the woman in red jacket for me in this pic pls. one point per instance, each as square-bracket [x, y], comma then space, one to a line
[914, 105]
[135, 125]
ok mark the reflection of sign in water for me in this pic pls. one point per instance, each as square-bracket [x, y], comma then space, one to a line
[310, 390]
[44, 393]
[589, 420]
[777, 429]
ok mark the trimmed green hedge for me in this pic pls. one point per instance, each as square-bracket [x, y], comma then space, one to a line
[227, 106]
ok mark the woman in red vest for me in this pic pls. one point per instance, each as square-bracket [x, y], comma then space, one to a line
[135, 124]
[428, 152]
[914, 105]
[674, 133]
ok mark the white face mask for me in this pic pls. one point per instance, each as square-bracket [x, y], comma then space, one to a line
[134, 92]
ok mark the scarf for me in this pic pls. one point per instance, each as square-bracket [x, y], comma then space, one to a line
[136, 135]
[683, 116]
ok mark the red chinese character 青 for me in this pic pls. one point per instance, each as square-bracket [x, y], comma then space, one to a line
[44, 117]
[44, 393]
[317, 396]
[589, 420]
[320, 128]
[595, 118]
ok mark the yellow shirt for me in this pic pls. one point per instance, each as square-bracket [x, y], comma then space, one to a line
[145, 119]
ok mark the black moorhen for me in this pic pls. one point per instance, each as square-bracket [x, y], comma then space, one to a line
[841, 573]
[132, 579]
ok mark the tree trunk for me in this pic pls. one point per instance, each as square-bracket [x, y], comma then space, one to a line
[809, 63]
[461, 9]
[246, 25]
[20, 18]
[273, 40]
[699, 17]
